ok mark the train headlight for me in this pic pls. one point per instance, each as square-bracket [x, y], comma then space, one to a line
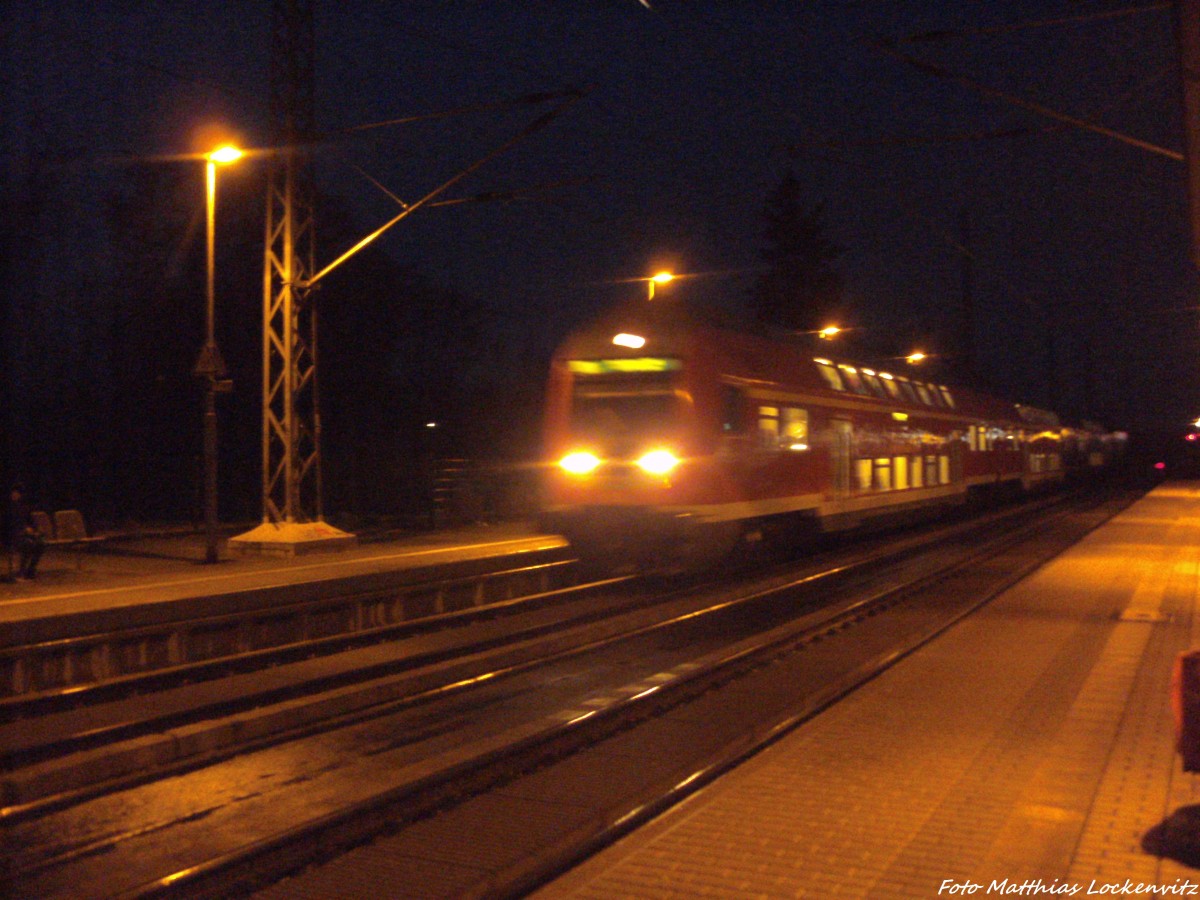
[579, 463]
[658, 462]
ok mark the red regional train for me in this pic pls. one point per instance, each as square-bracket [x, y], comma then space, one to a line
[671, 440]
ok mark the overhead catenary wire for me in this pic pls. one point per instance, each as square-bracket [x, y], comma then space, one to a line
[941, 72]
[532, 128]
[983, 134]
[945, 34]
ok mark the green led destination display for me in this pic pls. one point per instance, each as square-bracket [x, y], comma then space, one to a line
[633, 364]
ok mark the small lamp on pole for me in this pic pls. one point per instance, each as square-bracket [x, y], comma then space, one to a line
[210, 366]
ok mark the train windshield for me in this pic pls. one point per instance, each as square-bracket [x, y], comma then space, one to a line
[621, 414]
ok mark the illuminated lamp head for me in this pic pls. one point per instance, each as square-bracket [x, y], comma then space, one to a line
[659, 278]
[225, 154]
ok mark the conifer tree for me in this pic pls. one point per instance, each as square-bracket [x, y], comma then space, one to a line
[800, 289]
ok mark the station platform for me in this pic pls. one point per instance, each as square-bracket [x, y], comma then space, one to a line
[1027, 751]
[145, 570]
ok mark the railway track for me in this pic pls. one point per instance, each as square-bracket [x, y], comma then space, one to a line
[775, 623]
[63, 745]
[58, 746]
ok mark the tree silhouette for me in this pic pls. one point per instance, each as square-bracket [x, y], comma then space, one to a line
[800, 289]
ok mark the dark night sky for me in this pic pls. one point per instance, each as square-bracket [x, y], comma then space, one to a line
[697, 110]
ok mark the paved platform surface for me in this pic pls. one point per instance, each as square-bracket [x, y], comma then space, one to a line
[1028, 751]
[143, 569]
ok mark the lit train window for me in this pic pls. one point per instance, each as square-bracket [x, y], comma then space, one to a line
[947, 396]
[794, 429]
[830, 374]
[893, 388]
[906, 389]
[864, 469]
[872, 381]
[916, 471]
[923, 393]
[768, 427]
[883, 474]
[850, 376]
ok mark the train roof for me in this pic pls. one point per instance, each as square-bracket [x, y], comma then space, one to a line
[658, 330]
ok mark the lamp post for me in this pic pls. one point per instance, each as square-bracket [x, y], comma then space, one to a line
[210, 366]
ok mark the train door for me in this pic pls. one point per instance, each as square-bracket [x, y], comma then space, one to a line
[843, 433]
[956, 447]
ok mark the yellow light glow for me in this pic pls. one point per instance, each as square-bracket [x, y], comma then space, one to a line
[829, 332]
[632, 341]
[663, 277]
[580, 462]
[225, 154]
[916, 357]
[658, 462]
[822, 362]
[633, 364]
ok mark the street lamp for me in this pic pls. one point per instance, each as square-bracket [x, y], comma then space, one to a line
[660, 278]
[828, 333]
[210, 366]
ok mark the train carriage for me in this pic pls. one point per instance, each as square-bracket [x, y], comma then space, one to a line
[671, 439]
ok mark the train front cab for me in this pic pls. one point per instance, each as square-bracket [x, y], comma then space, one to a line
[631, 472]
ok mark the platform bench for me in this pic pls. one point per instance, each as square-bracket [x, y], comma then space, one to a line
[67, 529]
